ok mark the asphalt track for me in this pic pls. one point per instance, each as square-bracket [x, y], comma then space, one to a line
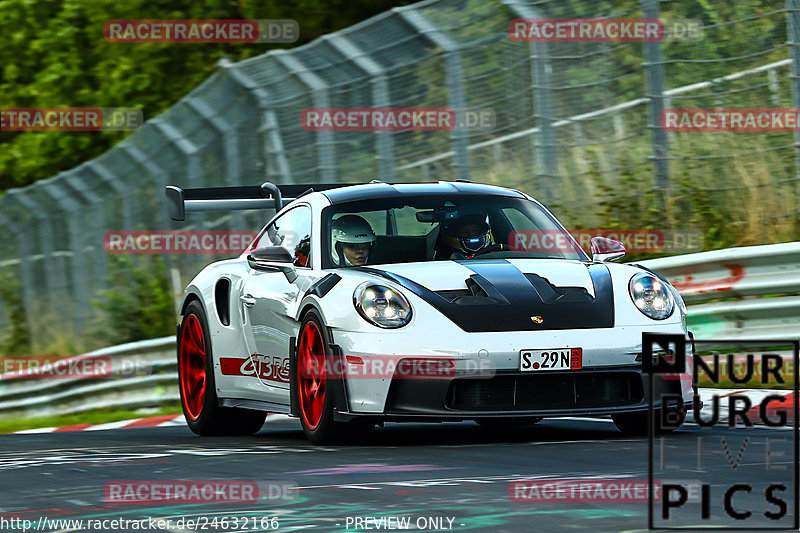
[428, 472]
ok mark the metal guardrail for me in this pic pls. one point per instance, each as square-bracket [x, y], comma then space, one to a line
[750, 292]
[757, 288]
[142, 374]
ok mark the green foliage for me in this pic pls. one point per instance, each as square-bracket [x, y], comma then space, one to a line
[53, 54]
[17, 339]
[737, 203]
[139, 304]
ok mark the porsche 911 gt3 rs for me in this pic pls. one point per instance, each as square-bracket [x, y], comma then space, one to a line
[363, 304]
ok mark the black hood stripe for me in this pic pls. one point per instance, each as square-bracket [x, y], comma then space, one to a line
[505, 299]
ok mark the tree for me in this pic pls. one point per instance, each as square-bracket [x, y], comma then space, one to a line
[53, 54]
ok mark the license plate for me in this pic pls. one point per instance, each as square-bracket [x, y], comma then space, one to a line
[550, 359]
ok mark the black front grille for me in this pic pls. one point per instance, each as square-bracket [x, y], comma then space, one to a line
[546, 391]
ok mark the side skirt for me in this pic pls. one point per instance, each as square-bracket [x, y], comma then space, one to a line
[255, 405]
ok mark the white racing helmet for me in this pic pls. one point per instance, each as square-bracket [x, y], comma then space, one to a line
[349, 229]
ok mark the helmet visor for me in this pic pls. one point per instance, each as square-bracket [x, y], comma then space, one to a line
[473, 243]
[357, 245]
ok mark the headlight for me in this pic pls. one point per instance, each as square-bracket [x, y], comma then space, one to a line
[652, 296]
[381, 305]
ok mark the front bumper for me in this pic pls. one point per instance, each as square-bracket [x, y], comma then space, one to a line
[589, 392]
[612, 356]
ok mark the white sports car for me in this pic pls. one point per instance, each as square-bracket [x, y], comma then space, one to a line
[361, 304]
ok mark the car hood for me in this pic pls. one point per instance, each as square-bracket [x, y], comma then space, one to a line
[451, 275]
[510, 295]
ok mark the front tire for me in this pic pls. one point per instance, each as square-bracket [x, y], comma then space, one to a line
[199, 398]
[313, 385]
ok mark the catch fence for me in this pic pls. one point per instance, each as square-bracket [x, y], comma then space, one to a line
[577, 125]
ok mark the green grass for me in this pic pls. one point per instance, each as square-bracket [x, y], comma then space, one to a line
[100, 416]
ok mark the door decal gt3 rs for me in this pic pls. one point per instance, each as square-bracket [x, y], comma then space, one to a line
[500, 290]
[271, 368]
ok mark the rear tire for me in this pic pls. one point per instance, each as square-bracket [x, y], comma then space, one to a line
[199, 398]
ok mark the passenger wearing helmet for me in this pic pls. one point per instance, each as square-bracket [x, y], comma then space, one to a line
[466, 235]
[352, 239]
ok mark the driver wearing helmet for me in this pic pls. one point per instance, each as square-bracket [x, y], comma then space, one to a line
[466, 235]
[352, 239]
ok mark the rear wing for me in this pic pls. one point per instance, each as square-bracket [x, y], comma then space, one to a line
[264, 196]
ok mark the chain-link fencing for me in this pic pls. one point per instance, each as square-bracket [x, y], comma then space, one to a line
[576, 124]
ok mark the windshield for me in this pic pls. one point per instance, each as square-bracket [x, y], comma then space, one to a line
[442, 227]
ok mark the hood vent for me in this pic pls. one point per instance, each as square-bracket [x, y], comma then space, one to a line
[479, 291]
[453, 295]
[551, 294]
[474, 288]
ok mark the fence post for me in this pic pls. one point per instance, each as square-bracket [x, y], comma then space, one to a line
[194, 178]
[23, 252]
[184, 146]
[273, 141]
[543, 105]
[319, 93]
[230, 144]
[122, 191]
[100, 271]
[79, 310]
[793, 14]
[541, 78]
[380, 98]
[654, 75]
[230, 141]
[45, 238]
[455, 82]
[159, 177]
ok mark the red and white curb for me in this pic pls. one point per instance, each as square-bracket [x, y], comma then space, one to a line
[136, 423]
[755, 396]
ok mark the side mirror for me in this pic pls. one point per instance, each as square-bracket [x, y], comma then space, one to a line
[604, 249]
[273, 258]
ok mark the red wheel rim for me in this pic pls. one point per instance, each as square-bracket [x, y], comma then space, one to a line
[311, 375]
[193, 366]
